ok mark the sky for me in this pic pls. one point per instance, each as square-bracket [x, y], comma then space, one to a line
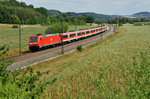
[110, 7]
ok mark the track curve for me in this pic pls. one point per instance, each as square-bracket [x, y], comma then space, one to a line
[31, 58]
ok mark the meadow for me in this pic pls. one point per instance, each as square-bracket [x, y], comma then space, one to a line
[115, 67]
[10, 36]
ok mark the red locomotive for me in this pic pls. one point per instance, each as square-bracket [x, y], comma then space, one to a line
[41, 41]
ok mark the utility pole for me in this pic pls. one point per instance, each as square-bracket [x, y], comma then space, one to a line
[76, 23]
[101, 36]
[62, 45]
[19, 39]
[118, 21]
[114, 28]
[75, 27]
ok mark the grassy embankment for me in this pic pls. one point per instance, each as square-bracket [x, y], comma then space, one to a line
[9, 36]
[117, 66]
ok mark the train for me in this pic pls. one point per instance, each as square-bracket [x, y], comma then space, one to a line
[41, 41]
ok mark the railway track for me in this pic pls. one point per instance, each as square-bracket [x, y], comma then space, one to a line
[31, 58]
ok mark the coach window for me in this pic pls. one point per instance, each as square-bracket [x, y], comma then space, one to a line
[72, 35]
[79, 34]
[97, 30]
[83, 33]
[65, 36]
[87, 32]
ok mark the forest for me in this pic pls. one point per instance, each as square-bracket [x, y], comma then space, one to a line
[15, 12]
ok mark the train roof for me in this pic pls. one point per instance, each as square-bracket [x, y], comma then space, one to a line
[69, 32]
[80, 31]
[50, 35]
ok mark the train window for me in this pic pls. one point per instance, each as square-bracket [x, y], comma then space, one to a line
[83, 33]
[87, 32]
[72, 35]
[79, 34]
[65, 36]
[96, 29]
[93, 31]
[33, 38]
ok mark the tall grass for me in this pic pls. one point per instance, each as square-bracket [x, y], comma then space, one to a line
[119, 69]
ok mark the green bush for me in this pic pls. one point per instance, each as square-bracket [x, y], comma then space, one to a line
[131, 22]
[120, 24]
[79, 48]
[15, 26]
[138, 24]
[146, 23]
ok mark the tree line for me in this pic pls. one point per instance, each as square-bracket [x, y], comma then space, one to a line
[124, 20]
[15, 12]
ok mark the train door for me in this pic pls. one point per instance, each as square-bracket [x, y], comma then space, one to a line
[41, 41]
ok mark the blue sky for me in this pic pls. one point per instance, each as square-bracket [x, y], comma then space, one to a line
[111, 7]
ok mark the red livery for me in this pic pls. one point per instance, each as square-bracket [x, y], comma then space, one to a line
[41, 41]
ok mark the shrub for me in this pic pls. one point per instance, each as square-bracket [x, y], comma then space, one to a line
[138, 24]
[131, 22]
[79, 48]
[146, 23]
[120, 24]
[15, 26]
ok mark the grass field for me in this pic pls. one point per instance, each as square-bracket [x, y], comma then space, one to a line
[9, 36]
[116, 67]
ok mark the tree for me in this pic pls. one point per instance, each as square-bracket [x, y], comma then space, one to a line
[90, 19]
[16, 19]
[42, 10]
[76, 21]
[98, 22]
[82, 22]
[48, 22]
[57, 28]
[31, 6]
[35, 20]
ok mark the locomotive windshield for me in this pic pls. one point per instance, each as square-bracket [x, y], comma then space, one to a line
[33, 39]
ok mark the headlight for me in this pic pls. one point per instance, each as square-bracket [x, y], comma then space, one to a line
[33, 43]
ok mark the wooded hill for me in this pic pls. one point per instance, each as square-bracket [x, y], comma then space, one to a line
[14, 12]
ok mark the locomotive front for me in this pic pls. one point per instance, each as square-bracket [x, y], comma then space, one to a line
[34, 43]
